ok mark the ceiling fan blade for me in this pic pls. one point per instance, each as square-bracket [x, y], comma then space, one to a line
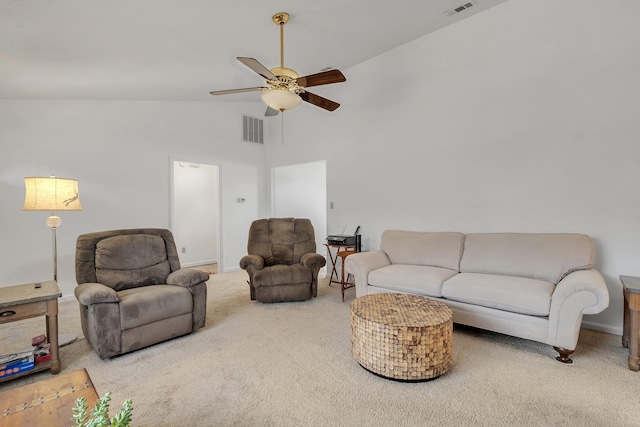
[271, 112]
[319, 101]
[257, 67]
[323, 78]
[227, 92]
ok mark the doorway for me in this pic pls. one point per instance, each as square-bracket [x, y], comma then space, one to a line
[300, 191]
[195, 213]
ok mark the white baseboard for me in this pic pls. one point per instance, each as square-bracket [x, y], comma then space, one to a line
[601, 327]
[197, 263]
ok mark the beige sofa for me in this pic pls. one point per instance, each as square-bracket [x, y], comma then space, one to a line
[532, 286]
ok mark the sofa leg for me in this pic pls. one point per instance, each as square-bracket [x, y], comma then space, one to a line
[564, 355]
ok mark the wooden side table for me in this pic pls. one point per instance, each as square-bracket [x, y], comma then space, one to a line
[32, 300]
[334, 259]
[47, 403]
[342, 251]
[631, 289]
[344, 284]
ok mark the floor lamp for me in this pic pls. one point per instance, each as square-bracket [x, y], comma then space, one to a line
[52, 194]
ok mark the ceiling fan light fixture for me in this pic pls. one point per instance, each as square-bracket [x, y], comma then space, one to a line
[281, 99]
[283, 88]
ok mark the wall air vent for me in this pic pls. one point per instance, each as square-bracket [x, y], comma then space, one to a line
[460, 8]
[252, 130]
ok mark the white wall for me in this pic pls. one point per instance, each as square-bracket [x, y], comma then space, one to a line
[521, 118]
[120, 152]
[195, 212]
[300, 191]
[238, 182]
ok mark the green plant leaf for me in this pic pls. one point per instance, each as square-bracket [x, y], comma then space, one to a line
[100, 413]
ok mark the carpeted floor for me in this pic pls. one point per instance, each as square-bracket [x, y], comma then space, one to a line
[290, 364]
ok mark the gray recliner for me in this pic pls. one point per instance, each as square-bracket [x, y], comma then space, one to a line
[282, 262]
[132, 291]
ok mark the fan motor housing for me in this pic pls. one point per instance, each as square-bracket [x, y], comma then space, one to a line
[284, 71]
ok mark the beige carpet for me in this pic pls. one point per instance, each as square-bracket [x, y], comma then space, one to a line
[290, 365]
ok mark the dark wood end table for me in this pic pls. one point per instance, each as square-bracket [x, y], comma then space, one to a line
[345, 284]
[631, 289]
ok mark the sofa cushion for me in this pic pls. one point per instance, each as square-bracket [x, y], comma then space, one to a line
[547, 257]
[128, 261]
[148, 304]
[515, 294]
[415, 279]
[439, 249]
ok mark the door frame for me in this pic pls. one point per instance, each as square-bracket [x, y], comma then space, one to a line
[172, 161]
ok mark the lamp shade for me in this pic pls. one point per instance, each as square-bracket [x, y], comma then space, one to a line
[281, 99]
[51, 194]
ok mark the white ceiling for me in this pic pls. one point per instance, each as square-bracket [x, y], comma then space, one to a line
[179, 50]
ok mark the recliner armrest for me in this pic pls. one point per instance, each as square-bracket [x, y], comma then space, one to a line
[95, 293]
[187, 277]
[252, 260]
[313, 261]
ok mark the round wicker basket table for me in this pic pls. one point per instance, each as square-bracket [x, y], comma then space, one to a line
[402, 337]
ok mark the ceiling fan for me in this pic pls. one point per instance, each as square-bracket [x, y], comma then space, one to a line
[285, 89]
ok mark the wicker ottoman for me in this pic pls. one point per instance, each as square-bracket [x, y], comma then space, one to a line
[402, 337]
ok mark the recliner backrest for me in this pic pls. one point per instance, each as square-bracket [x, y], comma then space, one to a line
[124, 262]
[281, 240]
[123, 259]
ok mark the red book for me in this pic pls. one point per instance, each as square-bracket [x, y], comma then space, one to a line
[43, 358]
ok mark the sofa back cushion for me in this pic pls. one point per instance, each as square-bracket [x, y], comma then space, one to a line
[437, 249]
[547, 257]
[129, 261]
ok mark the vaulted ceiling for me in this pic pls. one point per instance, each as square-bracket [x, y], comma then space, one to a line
[179, 50]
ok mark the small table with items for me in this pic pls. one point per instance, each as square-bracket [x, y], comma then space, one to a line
[342, 252]
[631, 327]
[402, 337]
[32, 300]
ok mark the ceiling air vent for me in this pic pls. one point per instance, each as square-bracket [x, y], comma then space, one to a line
[460, 8]
[252, 130]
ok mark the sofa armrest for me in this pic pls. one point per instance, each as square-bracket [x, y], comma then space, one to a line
[95, 293]
[578, 293]
[361, 263]
[587, 281]
[187, 277]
